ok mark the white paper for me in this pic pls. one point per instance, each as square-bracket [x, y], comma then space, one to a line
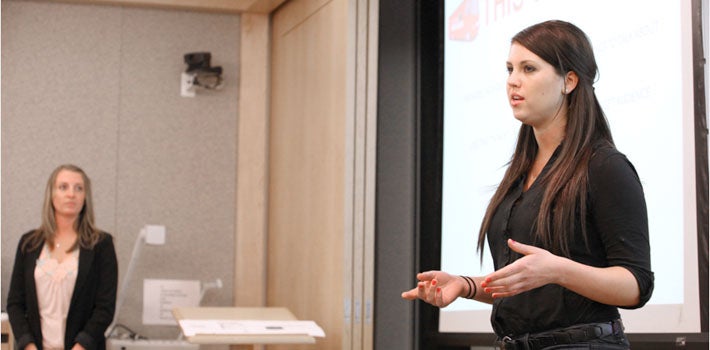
[250, 327]
[161, 296]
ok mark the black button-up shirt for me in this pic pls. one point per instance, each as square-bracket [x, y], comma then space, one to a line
[617, 230]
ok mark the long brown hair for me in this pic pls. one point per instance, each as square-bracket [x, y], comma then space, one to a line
[568, 49]
[88, 234]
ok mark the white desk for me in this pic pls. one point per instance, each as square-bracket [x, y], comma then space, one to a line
[241, 313]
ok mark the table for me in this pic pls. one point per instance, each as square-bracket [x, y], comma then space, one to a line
[241, 313]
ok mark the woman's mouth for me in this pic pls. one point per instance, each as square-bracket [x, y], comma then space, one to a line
[516, 99]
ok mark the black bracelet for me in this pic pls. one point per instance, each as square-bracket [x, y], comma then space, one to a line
[470, 290]
[469, 286]
[475, 287]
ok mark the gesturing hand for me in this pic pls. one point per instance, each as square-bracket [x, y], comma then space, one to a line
[536, 268]
[437, 288]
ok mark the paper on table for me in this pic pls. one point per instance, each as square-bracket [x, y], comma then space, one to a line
[249, 327]
[161, 296]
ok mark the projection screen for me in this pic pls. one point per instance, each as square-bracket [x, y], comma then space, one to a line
[645, 87]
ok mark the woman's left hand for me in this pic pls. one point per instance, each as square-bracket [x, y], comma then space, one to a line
[78, 346]
[536, 268]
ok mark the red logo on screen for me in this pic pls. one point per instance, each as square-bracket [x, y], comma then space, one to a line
[464, 22]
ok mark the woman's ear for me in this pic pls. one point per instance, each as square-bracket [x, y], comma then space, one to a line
[571, 80]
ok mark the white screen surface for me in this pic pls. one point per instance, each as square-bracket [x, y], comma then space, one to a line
[645, 88]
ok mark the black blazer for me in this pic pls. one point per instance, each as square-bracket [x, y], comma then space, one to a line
[92, 305]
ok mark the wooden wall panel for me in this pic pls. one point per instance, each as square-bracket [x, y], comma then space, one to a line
[252, 157]
[306, 166]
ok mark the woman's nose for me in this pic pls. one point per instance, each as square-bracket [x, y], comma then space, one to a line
[513, 80]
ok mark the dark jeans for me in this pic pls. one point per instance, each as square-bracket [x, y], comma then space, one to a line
[600, 336]
[613, 343]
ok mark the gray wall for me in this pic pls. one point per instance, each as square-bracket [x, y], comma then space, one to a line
[99, 86]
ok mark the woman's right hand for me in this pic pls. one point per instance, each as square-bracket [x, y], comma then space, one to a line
[31, 346]
[437, 288]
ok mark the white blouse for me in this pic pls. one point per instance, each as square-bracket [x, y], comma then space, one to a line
[55, 285]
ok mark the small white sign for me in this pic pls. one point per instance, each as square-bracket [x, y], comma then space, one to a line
[161, 296]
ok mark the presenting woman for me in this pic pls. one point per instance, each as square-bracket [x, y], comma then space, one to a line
[63, 288]
[567, 226]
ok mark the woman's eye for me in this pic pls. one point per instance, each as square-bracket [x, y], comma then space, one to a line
[509, 70]
[79, 189]
[529, 69]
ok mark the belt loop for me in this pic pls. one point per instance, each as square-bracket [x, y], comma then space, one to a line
[526, 341]
[507, 343]
[617, 327]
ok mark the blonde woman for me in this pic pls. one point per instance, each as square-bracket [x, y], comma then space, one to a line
[63, 287]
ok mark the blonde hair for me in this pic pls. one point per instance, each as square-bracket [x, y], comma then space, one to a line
[88, 234]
